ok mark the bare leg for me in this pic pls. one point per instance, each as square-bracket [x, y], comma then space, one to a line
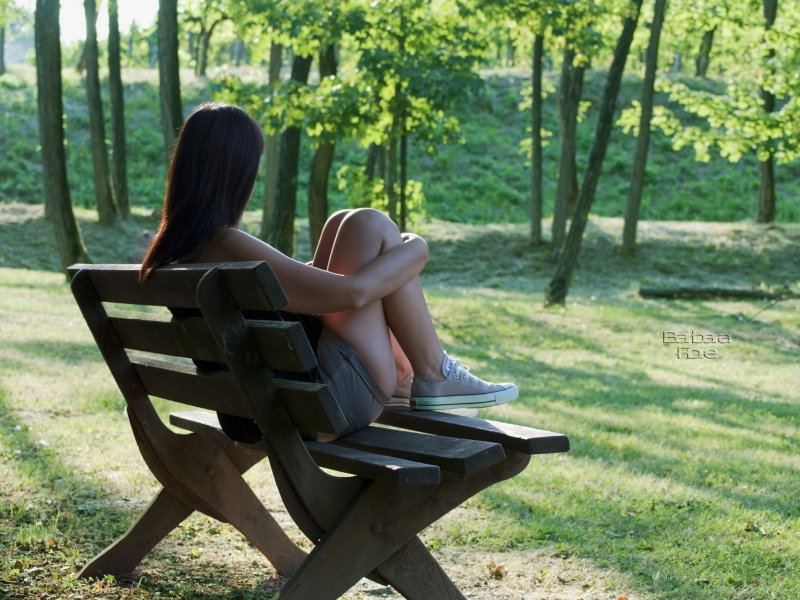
[360, 236]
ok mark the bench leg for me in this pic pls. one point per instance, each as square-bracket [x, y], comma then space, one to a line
[164, 513]
[236, 505]
[382, 519]
[416, 575]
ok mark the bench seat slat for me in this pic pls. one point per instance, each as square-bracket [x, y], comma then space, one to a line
[372, 466]
[451, 454]
[512, 437]
[344, 460]
[199, 421]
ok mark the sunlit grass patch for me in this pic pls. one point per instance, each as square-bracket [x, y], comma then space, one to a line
[681, 482]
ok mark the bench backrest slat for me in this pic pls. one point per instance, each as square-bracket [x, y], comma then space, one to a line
[283, 344]
[253, 285]
[255, 335]
[189, 338]
[184, 384]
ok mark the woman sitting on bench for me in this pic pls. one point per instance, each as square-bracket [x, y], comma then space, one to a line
[376, 345]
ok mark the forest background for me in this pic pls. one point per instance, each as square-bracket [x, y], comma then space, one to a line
[509, 134]
[425, 108]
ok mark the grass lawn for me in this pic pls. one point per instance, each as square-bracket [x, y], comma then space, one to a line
[682, 481]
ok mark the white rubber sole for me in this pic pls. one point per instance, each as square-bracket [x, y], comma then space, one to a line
[474, 401]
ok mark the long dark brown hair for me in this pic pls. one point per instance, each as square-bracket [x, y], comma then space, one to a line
[211, 176]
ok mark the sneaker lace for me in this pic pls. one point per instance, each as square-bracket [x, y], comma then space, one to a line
[463, 369]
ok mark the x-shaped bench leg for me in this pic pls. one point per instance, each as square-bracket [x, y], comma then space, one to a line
[165, 512]
[380, 521]
[415, 574]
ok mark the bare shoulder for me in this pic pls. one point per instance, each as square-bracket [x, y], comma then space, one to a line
[234, 245]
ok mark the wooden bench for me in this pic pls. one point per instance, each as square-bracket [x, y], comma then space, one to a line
[403, 473]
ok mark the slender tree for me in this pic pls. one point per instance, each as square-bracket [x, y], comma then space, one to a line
[2, 46]
[119, 154]
[643, 140]
[271, 148]
[168, 75]
[106, 205]
[704, 55]
[281, 234]
[569, 102]
[766, 167]
[536, 141]
[559, 285]
[206, 15]
[47, 36]
[321, 164]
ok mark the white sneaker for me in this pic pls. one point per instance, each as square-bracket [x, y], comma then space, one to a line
[460, 389]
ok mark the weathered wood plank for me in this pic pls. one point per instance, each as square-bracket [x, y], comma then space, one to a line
[373, 466]
[344, 460]
[253, 284]
[284, 345]
[451, 454]
[201, 422]
[160, 334]
[512, 437]
[173, 285]
[182, 383]
[311, 405]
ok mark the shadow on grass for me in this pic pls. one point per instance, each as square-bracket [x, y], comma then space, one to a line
[733, 460]
[65, 516]
[491, 258]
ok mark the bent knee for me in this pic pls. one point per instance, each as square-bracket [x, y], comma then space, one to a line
[371, 220]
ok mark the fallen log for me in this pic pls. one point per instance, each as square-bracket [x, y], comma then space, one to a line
[700, 293]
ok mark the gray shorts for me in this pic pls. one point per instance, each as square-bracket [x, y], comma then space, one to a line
[355, 388]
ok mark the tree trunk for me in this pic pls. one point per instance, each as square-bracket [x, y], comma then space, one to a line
[202, 48]
[677, 63]
[271, 150]
[202, 53]
[391, 170]
[403, 216]
[570, 98]
[704, 55]
[169, 83]
[106, 206]
[119, 155]
[559, 285]
[282, 232]
[643, 141]
[766, 168]
[373, 156]
[2, 49]
[321, 165]
[536, 141]
[47, 36]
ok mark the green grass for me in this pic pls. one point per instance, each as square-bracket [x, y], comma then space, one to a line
[681, 482]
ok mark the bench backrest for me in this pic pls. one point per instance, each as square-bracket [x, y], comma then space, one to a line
[223, 304]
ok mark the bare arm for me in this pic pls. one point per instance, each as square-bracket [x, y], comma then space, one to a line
[314, 291]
